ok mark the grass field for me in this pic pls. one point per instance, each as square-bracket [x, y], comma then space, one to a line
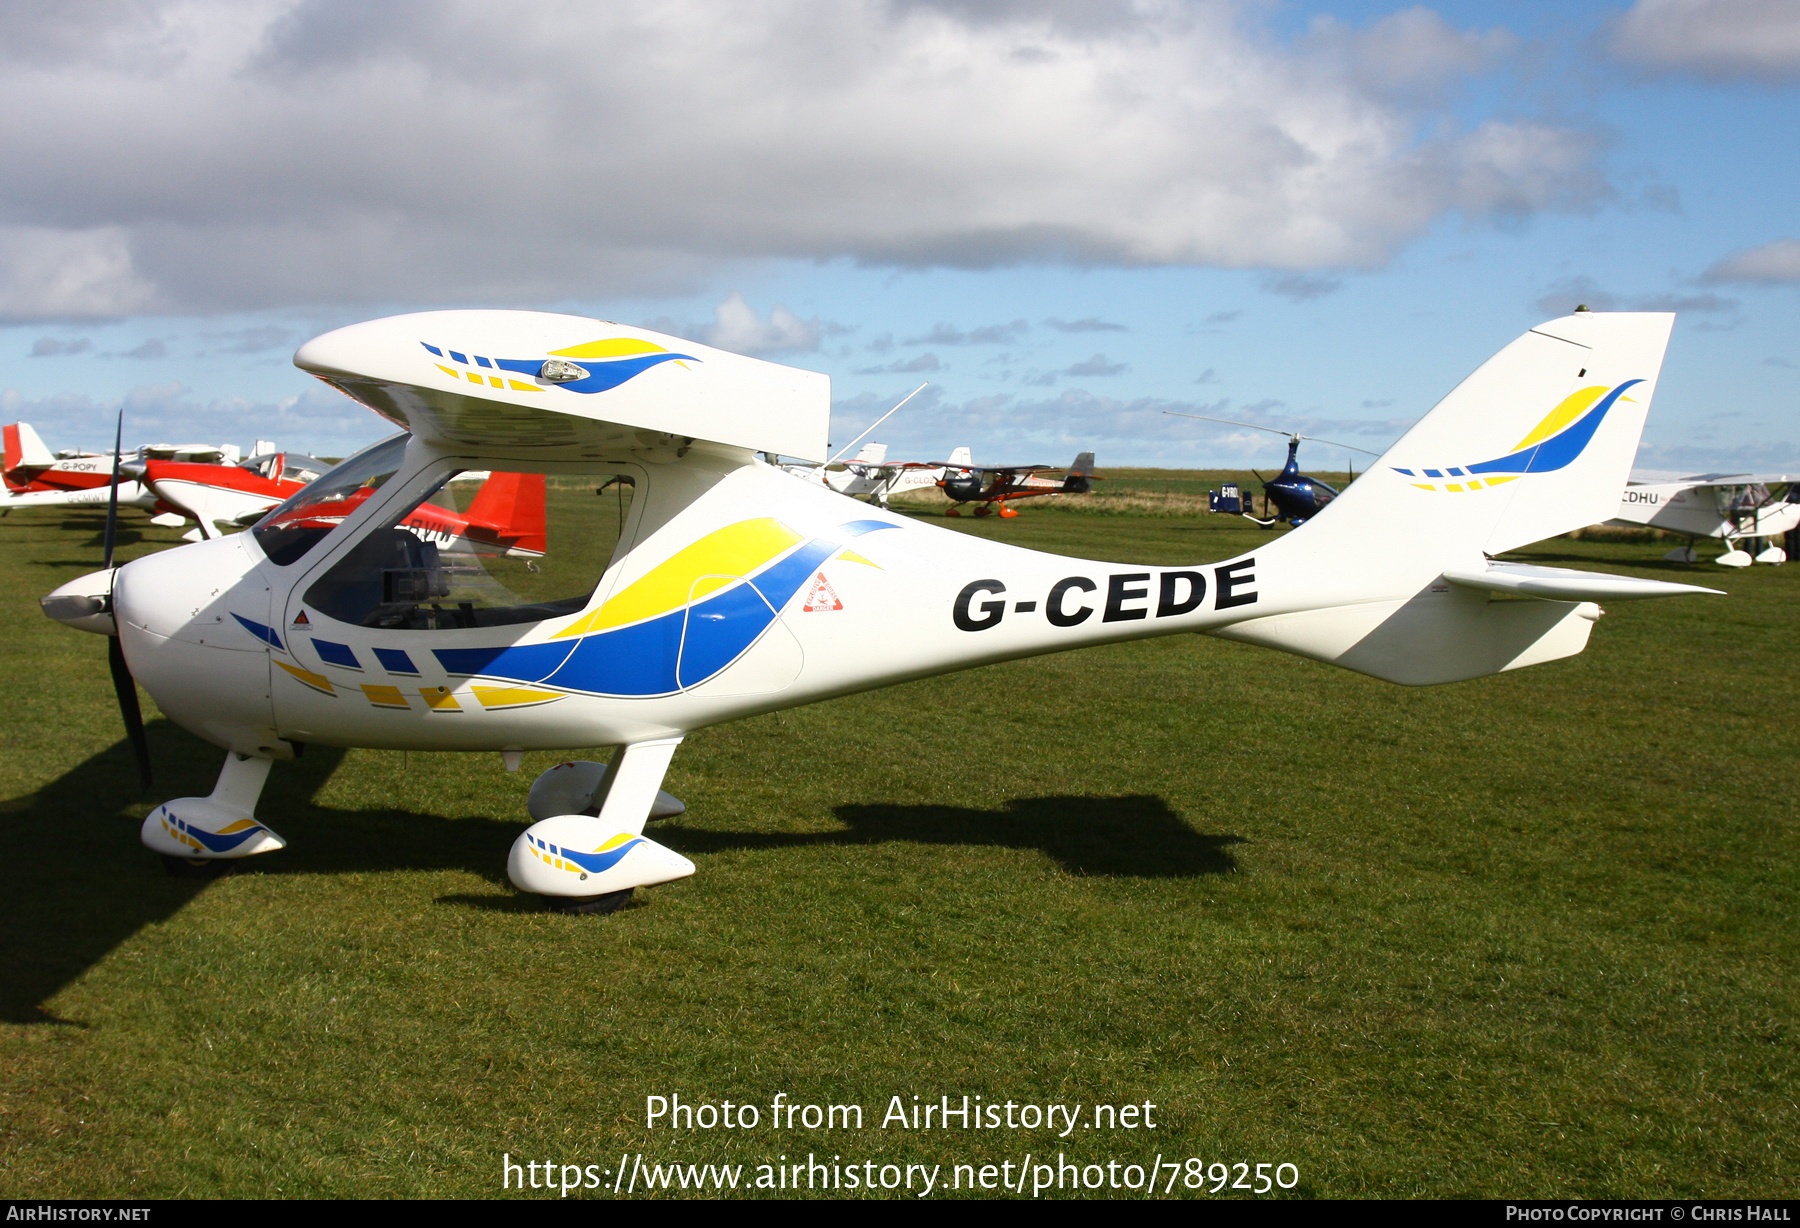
[1529, 935]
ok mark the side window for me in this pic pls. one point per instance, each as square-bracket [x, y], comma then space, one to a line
[291, 530]
[481, 550]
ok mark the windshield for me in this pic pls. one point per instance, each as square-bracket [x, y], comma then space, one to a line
[480, 549]
[294, 528]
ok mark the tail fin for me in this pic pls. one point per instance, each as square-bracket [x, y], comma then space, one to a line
[24, 449]
[962, 456]
[1081, 475]
[874, 453]
[511, 505]
[1392, 578]
[1538, 441]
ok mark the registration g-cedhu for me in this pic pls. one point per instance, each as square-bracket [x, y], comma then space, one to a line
[663, 576]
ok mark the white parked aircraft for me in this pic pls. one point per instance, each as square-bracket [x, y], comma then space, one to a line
[723, 588]
[1738, 508]
[872, 476]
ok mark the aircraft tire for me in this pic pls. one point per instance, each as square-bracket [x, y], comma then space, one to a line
[597, 905]
[195, 867]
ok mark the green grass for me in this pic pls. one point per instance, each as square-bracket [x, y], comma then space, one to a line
[1529, 935]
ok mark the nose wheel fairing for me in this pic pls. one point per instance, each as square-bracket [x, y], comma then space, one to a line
[220, 826]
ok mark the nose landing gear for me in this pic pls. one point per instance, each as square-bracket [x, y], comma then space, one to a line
[198, 837]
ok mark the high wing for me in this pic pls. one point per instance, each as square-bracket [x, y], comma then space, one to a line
[967, 468]
[1727, 479]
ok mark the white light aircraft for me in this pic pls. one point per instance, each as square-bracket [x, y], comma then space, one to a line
[685, 582]
[1735, 507]
[869, 474]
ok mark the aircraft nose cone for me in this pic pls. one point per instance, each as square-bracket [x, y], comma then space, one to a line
[84, 603]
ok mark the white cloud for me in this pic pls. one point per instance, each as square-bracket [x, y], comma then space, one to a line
[52, 347]
[1412, 53]
[906, 366]
[1302, 287]
[1050, 428]
[228, 154]
[1680, 459]
[1092, 324]
[48, 272]
[320, 421]
[986, 334]
[737, 327]
[1772, 262]
[1719, 39]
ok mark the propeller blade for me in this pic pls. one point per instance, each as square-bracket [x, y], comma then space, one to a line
[112, 520]
[126, 689]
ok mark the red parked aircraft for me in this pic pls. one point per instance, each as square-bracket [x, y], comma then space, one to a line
[505, 517]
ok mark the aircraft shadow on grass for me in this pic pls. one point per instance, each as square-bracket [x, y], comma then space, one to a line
[1122, 837]
[1134, 836]
[81, 884]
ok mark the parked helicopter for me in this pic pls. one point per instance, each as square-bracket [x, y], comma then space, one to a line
[992, 487]
[1739, 508]
[1297, 498]
[330, 622]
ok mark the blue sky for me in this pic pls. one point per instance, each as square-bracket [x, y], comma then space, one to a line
[1315, 216]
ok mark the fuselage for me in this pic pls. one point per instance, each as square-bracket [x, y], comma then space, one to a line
[1297, 498]
[1723, 511]
[227, 642]
[79, 481]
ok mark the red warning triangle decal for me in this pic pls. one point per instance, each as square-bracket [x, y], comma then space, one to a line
[822, 596]
[303, 620]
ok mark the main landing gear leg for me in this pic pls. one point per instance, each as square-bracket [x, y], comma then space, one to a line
[591, 863]
[199, 837]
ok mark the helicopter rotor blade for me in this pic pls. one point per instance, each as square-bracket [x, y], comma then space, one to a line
[126, 689]
[1227, 421]
[1352, 447]
[1272, 430]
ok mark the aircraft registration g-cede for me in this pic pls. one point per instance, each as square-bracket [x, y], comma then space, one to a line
[685, 581]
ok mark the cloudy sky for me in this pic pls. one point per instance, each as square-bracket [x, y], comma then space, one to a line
[1067, 215]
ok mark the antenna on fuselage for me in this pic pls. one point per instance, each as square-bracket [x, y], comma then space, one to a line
[889, 414]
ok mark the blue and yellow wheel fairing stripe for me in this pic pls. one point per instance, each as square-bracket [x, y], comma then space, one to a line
[605, 857]
[221, 841]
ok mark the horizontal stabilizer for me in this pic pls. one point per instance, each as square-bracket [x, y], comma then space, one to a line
[1559, 584]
